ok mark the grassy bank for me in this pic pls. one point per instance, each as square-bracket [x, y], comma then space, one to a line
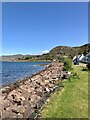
[72, 100]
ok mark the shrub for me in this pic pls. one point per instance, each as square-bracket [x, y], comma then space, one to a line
[67, 64]
[26, 58]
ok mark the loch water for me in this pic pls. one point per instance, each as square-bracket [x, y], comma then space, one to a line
[13, 71]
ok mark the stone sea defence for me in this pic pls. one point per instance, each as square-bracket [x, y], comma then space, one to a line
[23, 98]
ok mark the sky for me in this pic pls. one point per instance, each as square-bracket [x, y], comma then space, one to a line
[37, 27]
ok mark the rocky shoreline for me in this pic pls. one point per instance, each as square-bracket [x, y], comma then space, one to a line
[24, 98]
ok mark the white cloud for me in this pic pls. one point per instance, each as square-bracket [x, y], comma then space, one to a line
[45, 51]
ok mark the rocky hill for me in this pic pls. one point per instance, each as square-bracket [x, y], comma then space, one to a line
[70, 51]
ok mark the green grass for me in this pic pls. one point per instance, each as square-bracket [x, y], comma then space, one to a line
[72, 100]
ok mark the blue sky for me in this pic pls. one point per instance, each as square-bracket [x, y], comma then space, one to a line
[35, 28]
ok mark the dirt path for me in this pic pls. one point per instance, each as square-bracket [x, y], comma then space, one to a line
[82, 64]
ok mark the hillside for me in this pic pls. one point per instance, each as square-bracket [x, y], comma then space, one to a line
[70, 51]
[58, 51]
[12, 57]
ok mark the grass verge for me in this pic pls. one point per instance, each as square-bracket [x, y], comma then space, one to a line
[72, 100]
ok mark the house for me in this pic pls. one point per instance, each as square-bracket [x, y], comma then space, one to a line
[86, 59]
[76, 60]
[81, 58]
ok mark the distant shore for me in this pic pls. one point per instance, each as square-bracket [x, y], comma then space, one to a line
[26, 61]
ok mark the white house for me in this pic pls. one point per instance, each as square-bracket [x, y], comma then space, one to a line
[86, 59]
[76, 60]
[81, 58]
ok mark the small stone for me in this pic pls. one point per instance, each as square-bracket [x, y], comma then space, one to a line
[18, 102]
[8, 114]
[47, 89]
[18, 109]
[28, 112]
[6, 103]
[39, 93]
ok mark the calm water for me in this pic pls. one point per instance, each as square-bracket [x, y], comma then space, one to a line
[13, 71]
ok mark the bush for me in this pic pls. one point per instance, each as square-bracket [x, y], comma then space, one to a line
[67, 64]
[26, 58]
